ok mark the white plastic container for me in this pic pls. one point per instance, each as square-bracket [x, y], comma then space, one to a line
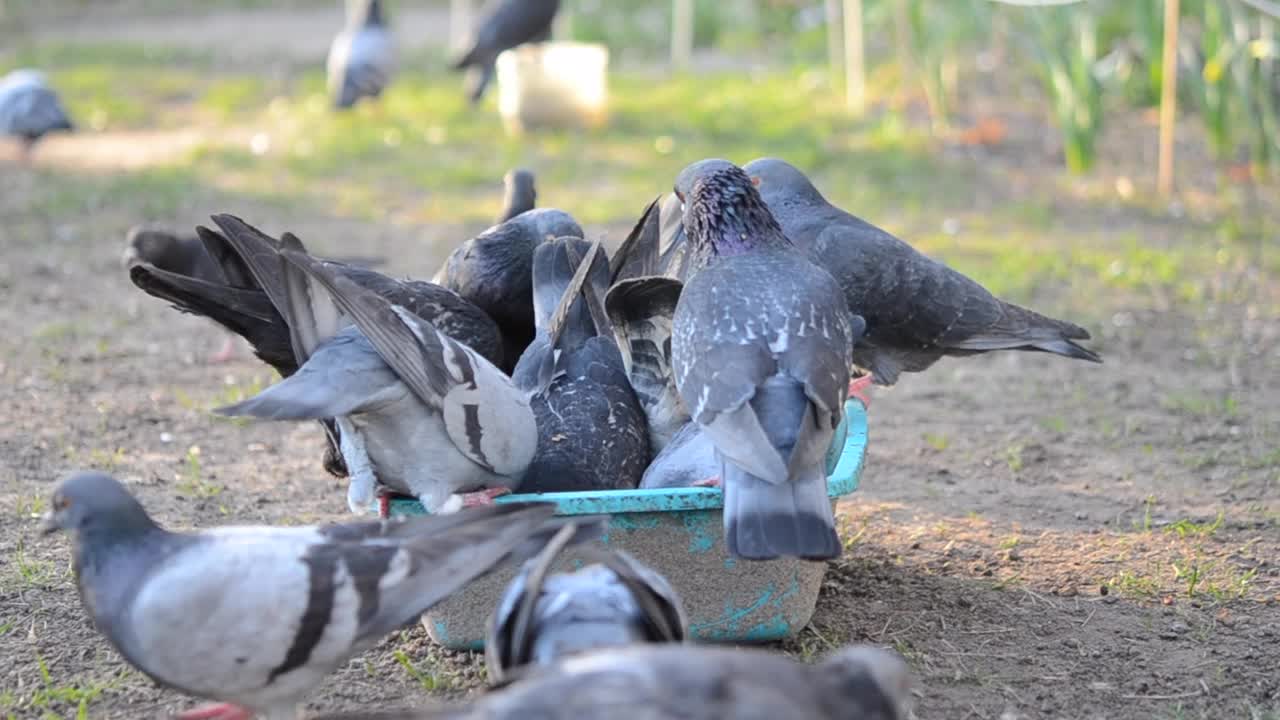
[553, 85]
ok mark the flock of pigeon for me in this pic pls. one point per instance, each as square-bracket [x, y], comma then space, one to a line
[361, 63]
[717, 347]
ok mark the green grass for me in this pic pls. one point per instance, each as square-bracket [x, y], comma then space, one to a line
[53, 699]
[191, 481]
[427, 679]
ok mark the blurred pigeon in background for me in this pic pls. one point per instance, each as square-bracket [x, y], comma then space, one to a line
[506, 24]
[30, 109]
[917, 309]
[692, 682]
[257, 617]
[761, 343]
[613, 601]
[519, 194]
[362, 57]
[494, 270]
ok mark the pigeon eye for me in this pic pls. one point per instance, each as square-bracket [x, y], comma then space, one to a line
[61, 502]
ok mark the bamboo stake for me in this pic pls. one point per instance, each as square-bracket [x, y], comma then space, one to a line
[835, 44]
[681, 33]
[855, 80]
[1168, 98]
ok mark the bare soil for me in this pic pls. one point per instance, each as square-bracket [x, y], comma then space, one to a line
[1039, 537]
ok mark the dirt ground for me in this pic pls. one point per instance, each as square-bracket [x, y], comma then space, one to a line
[1039, 537]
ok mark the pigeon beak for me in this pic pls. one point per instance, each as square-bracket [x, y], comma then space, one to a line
[129, 257]
[49, 524]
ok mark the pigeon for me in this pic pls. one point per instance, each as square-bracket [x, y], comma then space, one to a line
[30, 109]
[612, 602]
[655, 247]
[257, 617]
[640, 310]
[760, 348]
[362, 57]
[252, 302]
[494, 270]
[692, 682]
[506, 24]
[181, 255]
[689, 459]
[519, 194]
[917, 309]
[411, 402]
[591, 428]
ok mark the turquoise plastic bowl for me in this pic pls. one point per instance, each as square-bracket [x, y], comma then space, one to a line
[679, 533]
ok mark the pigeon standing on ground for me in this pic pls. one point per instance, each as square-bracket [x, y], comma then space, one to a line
[252, 302]
[181, 255]
[612, 602]
[917, 309]
[519, 194]
[362, 57]
[506, 24]
[689, 682]
[761, 343]
[30, 109]
[257, 617]
[418, 411]
[494, 270]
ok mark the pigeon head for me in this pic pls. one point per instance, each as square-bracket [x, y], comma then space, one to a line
[723, 212]
[519, 183]
[93, 502]
[370, 12]
[775, 176]
[868, 677]
[144, 244]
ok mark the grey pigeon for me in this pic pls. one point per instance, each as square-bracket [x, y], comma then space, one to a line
[761, 343]
[494, 270]
[418, 411]
[257, 617]
[251, 301]
[655, 247]
[641, 310]
[362, 57]
[591, 428]
[611, 602]
[688, 682]
[182, 255]
[917, 309]
[519, 194]
[505, 24]
[30, 109]
[689, 459]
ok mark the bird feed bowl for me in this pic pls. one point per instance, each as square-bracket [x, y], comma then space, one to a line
[553, 85]
[679, 533]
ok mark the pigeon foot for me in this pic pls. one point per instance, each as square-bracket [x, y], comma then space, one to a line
[384, 505]
[216, 711]
[858, 389]
[708, 482]
[483, 497]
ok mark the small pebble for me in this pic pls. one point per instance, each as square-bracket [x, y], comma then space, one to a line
[166, 437]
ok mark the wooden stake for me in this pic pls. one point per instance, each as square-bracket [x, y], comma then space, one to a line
[1168, 98]
[681, 33]
[835, 44]
[855, 79]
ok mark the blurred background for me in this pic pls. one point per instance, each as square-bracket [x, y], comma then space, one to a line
[1043, 150]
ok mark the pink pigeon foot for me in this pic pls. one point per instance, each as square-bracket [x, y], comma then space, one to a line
[708, 482]
[226, 353]
[483, 497]
[858, 389]
[384, 505]
[216, 711]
